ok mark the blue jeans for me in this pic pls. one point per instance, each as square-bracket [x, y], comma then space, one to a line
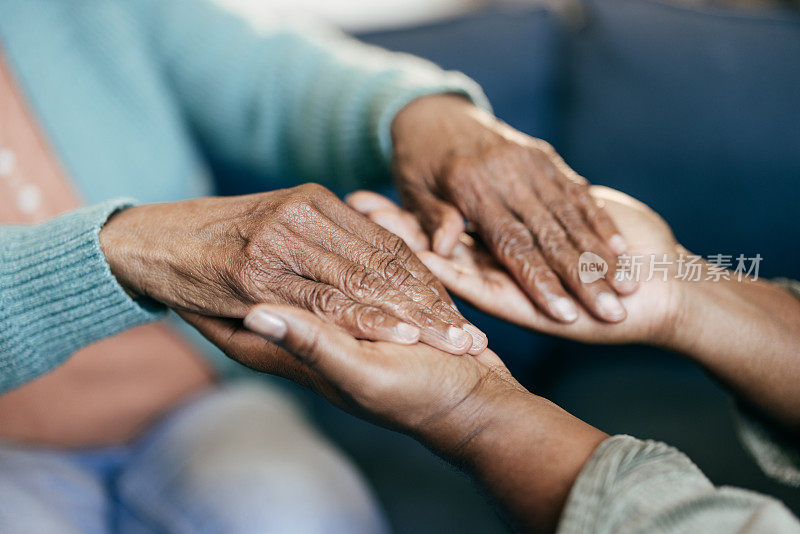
[235, 459]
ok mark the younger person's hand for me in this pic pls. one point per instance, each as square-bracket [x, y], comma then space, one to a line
[468, 409]
[413, 388]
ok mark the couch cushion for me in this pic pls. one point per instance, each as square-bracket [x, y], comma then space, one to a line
[697, 113]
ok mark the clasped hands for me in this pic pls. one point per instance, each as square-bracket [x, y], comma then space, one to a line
[305, 248]
[335, 281]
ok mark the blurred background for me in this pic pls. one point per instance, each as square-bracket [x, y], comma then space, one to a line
[692, 107]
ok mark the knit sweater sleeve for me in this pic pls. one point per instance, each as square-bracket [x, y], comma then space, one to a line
[633, 486]
[304, 103]
[57, 293]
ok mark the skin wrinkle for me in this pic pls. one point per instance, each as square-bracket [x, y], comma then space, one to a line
[483, 172]
[417, 290]
[220, 255]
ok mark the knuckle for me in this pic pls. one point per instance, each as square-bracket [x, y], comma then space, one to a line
[362, 283]
[292, 208]
[552, 239]
[569, 270]
[416, 315]
[441, 308]
[578, 189]
[396, 246]
[368, 320]
[570, 216]
[544, 277]
[458, 171]
[314, 190]
[323, 300]
[513, 240]
[393, 269]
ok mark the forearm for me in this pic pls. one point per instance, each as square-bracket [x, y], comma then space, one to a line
[549, 471]
[527, 453]
[287, 101]
[747, 334]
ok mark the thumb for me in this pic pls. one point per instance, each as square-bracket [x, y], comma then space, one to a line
[323, 347]
[441, 220]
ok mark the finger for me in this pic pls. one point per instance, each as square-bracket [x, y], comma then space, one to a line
[368, 201]
[252, 350]
[359, 319]
[430, 305]
[438, 325]
[570, 216]
[402, 224]
[324, 348]
[576, 187]
[390, 216]
[490, 290]
[395, 249]
[441, 220]
[385, 240]
[594, 211]
[515, 248]
[598, 297]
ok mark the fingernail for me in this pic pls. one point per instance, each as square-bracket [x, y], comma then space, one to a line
[564, 308]
[610, 306]
[626, 286]
[407, 332]
[479, 339]
[458, 337]
[266, 324]
[618, 244]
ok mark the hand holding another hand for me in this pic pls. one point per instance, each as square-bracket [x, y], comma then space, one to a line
[468, 409]
[472, 273]
[302, 246]
[454, 161]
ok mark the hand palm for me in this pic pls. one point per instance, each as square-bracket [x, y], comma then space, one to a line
[407, 387]
[473, 275]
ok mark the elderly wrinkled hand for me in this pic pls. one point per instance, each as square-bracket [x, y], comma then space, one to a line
[453, 161]
[301, 246]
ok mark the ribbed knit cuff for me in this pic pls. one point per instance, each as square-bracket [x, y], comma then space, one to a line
[57, 293]
[774, 451]
[628, 479]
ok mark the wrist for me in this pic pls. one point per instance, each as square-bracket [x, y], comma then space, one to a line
[526, 451]
[497, 409]
[451, 436]
[724, 313]
[113, 238]
[431, 122]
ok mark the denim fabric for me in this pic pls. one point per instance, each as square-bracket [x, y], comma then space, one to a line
[235, 459]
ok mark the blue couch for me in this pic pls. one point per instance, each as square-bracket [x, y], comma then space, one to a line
[695, 111]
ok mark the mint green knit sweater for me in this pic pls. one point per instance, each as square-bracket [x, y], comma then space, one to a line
[134, 96]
